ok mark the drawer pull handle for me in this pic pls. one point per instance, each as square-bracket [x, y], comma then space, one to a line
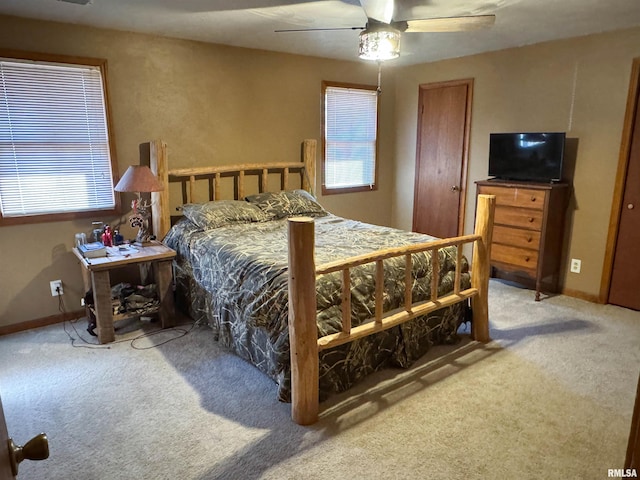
[526, 259]
[529, 240]
[533, 198]
[531, 219]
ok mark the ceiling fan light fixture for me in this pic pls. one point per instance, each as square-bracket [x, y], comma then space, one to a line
[379, 44]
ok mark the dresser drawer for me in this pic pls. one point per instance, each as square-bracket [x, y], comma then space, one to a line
[515, 197]
[521, 258]
[519, 217]
[516, 237]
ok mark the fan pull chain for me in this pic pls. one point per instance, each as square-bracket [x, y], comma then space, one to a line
[379, 89]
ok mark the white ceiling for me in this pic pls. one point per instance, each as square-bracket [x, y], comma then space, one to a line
[251, 23]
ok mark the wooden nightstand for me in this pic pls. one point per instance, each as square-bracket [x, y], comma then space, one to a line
[156, 258]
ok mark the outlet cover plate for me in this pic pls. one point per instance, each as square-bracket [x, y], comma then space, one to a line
[54, 288]
[576, 265]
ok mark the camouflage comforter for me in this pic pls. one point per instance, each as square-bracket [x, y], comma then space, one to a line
[234, 278]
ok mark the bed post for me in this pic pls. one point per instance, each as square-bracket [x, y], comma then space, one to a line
[158, 163]
[303, 330]
[481, 268]
[309, 159]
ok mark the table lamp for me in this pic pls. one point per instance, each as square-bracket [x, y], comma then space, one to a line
[139, 179]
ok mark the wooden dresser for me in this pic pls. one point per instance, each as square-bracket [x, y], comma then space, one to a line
[528, 231]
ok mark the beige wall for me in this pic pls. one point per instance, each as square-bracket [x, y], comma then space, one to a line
[579, 86]
[210, 103]
[220, 104]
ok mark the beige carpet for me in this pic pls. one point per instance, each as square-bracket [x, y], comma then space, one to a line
[550, 397]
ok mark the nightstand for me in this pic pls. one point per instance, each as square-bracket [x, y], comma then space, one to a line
[155, 264]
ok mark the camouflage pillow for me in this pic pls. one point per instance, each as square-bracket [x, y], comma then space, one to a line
[287, 204]
[223, 212]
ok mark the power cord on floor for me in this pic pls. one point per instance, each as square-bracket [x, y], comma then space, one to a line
[73, 340]
[72, 322]
[180, 331]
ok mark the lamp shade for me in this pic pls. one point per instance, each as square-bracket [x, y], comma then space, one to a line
[138, 178]
[379, 43]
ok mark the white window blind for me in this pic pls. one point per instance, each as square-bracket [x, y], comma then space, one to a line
[351, 121]
[54, 145]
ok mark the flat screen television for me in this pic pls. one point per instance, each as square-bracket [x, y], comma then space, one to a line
[534, 157]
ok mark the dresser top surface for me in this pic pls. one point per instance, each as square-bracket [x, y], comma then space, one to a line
[519, 184]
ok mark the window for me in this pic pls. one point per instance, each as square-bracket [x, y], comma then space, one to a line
[55, 154]
[350, 140]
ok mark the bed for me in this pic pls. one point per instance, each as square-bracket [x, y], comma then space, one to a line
[313, 300]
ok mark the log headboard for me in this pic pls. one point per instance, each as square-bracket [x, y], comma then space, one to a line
[212, 175]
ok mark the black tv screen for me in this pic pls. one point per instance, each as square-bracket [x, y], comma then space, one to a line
[535, 157]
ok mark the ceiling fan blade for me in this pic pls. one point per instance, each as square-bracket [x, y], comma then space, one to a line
[318, 29]
[380, 10]
[448, 24]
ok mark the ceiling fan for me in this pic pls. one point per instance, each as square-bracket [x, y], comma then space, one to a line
[380, 37]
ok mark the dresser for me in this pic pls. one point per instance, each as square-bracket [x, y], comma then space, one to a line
[528, 231]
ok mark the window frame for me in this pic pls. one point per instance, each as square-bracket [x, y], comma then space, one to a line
[101, 64]
[364, 188]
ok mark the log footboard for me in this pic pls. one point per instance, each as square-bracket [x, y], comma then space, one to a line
[303, 333]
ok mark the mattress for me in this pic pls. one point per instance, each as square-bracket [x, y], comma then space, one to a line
[234, 278]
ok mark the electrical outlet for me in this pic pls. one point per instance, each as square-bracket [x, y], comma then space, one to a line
[576, 265]
[56, 288]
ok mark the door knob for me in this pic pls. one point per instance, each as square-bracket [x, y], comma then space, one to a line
[455, 188]
[630, 206]
[35, 449]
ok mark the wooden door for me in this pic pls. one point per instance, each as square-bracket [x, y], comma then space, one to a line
[441, 160]
[35, 449]
[5, 464]
[625, 277]
[632, 459]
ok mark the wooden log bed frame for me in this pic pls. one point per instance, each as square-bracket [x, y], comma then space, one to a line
[303, 333]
